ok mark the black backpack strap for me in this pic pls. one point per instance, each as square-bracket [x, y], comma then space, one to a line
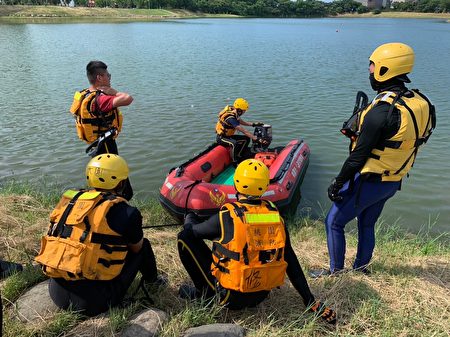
[62, 221]
[239, 211]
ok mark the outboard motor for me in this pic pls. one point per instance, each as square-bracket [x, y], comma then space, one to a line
[265, 133]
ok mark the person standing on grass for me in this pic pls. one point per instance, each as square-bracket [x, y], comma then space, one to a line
[251, 251]
[96, 109]
[98, 119]
[387, 135]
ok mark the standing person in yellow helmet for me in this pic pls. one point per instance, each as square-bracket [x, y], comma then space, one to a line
[95, 246]
[384, 145]
[229, 122]
[251, 251]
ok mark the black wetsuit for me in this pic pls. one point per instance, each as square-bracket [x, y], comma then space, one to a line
[194, 234]
[94, 297]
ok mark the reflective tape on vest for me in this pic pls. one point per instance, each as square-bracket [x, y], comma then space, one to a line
[262, 218]
[86, 195]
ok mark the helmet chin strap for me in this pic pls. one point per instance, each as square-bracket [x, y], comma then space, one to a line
[240, 196]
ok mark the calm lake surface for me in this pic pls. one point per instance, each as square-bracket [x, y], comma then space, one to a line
[300, 75]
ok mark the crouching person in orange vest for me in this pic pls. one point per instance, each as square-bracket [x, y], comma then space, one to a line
[251, 251]
[95, 245]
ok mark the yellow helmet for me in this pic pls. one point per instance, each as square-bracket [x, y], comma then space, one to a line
[251, 177]
[106, 171]
[241, 103]
[392, 59]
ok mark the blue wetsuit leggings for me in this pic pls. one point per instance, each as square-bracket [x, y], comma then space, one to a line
[365, 201]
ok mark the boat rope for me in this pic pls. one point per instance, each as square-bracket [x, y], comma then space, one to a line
[156, 226]
[189, 193]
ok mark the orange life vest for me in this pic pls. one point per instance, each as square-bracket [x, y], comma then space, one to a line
[224, 128]
[249, 256]
[90, 122]
[79, 243]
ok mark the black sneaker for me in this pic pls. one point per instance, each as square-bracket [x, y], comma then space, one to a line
[316, 273]
[363, 270]
[189, 292]
[9, 268]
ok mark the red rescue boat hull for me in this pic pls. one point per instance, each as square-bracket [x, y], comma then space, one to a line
[188, 187]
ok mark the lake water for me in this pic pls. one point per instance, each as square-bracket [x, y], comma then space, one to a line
[300, 75]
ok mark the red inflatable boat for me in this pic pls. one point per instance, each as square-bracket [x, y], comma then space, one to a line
[204, 183]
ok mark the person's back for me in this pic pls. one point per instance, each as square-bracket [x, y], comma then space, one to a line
[248, 256]
[95, 246]
[251, 248]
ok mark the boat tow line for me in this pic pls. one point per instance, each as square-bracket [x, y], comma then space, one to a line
[191, 186]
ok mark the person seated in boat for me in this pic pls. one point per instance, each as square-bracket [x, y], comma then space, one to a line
[229, 122]
[95, 245]
[251, 251]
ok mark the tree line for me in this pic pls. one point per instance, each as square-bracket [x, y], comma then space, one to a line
[257, 8]
[423, 6]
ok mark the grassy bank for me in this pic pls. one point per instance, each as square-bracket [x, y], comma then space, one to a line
[49, 12]
[401, 15]
[406, 295]
[35, 13]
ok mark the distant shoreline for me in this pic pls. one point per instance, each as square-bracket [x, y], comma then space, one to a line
[45, 13]
[405, 15]
[35, 13]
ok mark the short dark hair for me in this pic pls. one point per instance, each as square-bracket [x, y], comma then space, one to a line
[95, 68]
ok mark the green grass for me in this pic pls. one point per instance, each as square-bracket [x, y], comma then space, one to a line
[18, 283]
[406, 295]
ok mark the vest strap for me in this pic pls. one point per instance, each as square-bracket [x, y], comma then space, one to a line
[66, 231]
[108, 239]
[111, 249]
[109, 263]
[221, 268]
[226, 126]
[62, 221]
[225, 252]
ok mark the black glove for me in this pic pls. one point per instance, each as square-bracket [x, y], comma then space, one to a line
[257, 124]
[190, 219]
[333, 191]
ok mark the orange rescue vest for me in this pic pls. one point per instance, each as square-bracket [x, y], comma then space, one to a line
[79, 243]
[223, 128]
[90, 122]
[249, 256]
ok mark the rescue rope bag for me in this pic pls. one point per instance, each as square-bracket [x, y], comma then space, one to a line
[249, 256]
[79, 243]
[91, 123]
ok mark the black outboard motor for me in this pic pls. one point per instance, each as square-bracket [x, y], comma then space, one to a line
[264, 133]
